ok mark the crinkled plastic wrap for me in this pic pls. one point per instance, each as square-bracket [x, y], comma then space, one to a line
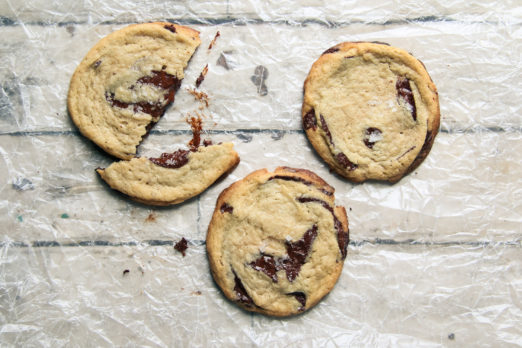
[434, 260]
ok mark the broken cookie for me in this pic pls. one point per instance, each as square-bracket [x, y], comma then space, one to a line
[124, 84]
[173, 177]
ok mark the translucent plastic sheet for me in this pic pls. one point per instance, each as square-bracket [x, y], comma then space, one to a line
[434, 260]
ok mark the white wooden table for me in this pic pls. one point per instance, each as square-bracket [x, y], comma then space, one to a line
[434, 260]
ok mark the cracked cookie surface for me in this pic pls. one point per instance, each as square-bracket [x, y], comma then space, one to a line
[370, 110]
[173, 177]
[125, 82]
[277, 242]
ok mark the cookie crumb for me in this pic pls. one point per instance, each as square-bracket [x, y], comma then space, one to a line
[198, 293]
[125, 272]
[151, 217]
[196, 124]
[202, 97]
[202, 76]
[181, 246]
[218, 34]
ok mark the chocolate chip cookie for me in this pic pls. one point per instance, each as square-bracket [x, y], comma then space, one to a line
[173, 177]
[125, 82]
[276, 242]
[371, 111]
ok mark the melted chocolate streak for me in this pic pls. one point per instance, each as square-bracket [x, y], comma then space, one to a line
[342, 236]
[331, 50]
[176, 159]
[298, 179]
[169, 83]
[301, 298]
[341, 158]
[325, 128]
[296, 256]
[241, 293]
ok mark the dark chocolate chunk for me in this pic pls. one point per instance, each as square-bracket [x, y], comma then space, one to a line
[176, 159]
[207, 142]
[331, 50]
[226, 208]
[267, 265]
[241, 293]
[169, 83]
[297, 253]
[342, 236]
[125, 272]
[301, 298]
[181, 246]
[404, 92]
[161, 79]
[290, 178]
[345, 162]
[291, 263]
[372, 136]
[309, 120]
[427, 141]
[324, 126]
[170, 27]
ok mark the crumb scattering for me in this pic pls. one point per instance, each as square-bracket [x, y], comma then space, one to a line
[202, 97]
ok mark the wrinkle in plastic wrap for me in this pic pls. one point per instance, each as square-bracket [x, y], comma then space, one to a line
[434, 260]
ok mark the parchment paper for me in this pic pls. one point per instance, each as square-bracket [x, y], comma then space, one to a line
[434, 260]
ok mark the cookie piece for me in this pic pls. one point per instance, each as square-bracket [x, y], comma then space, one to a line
[173, 177]
[276, 242]
[123, 85]
[370, 110]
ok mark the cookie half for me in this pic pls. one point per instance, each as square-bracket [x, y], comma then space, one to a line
[125, 82]
[371, 111]
[173, 177]
[276, 242]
